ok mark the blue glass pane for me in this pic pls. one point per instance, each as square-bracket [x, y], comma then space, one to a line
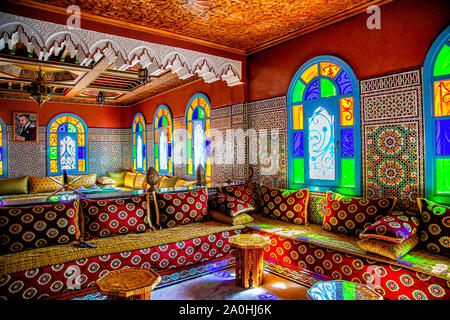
[344, 83]
[160, 122]
[443, 137]
[208, 148]
[81, 152]
[144, 152]
[195, 114]
[313, 91]
[62, 127]
[347, 140]
[170, 150]
[1, 153]
[298, 144]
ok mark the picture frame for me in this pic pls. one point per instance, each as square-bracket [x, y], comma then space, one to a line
[25, 126]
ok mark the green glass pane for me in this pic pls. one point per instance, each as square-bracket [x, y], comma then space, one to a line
[134, 152]
[442, 64]
[201, 113]
[155, 153]
[442, 176]
[189, 148]
[327, 88]
[298, 92]
[164, 121]
[53, 153]
[140, 129]
[299, 170]
[71, 128]
[348, 172]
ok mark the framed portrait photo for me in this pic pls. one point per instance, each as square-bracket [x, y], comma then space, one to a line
[25, 127]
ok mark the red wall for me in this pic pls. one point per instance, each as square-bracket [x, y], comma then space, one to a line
[408, 29]
[93, 115]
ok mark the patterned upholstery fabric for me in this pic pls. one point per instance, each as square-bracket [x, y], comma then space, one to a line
[119, 177]
[185, 183]
[389, 249]
[248, 192]
[434, 231]
[396, 228]
[167, 182]
[86, 180]
[286, 205]
[104, 218]
[140, 183]
[38, 226]
[242, 218]
[106, 181]
[351, 215]
[174, 209]
[44, 184]
[228, 204]
[129, 179]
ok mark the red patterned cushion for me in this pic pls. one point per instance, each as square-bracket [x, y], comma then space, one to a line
[38, 226]
[246, 192]
[396, 227]
[228, 204]
[434, 226]
[286, 205]
[104, 218]
[179, 208]
[351, 215]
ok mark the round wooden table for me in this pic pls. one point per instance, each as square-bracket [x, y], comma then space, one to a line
[249, 259]
[129, 284]
[341, 290]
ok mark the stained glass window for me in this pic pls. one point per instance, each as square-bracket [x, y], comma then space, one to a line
[3, 166]
[198, 135]
[162, 138]
[437, 119]
[67, 145]
[323, 126]
[139, 143]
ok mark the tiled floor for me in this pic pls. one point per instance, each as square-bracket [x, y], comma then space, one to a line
[221, 285]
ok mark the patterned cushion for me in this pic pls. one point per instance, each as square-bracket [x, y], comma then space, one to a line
[14, 185]
[396, 228]
[228, 204]
[104, 218]
[119, 177]
[286, 205]
[44, 184]
[248, 192]
[167, 182]
[179, 208]
[129, 179]
[86, 180]
[351, 215]
[185, 183]
[38, 226]
[140, 183]
[434, 231]
[242, 218]
[389, 249]
[106, 181]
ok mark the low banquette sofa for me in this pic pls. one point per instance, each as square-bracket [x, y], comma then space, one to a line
[399, 254]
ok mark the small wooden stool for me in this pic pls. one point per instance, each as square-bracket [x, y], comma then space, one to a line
[129, 284]
[249, 259]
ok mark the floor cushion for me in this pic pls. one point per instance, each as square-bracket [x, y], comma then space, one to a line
[45, 184]
[14, 185]
[434, 231]
[248, 192]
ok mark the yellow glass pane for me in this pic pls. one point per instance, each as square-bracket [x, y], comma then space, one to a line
[207, 110]
[194, 104]
[170, 164]
[189, 115]
[156, 136]
[80, 127]
[1, 167]
[442, 98]
[189, 130]
[207, 128]
[190, 169]
[72, 120]
[329, 69]
[54, 127]
[297, 117]
[53, 166]
[346, 106]
[53, 140]
[1, 139]
[61, 120]
[144, 162]
[201, 101]
[160, 112]
[157, 164]
[81, 140]
[310, 73]
[143, 137]
[81, 165]
[169, 135]
[208, 167]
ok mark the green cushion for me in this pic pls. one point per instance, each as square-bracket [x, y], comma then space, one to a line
[14, 185]
[167, 182]
[118, 177]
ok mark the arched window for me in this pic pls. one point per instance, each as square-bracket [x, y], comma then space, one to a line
[67, 145]
[198, 127]
[3, 165]
[323, 127]
[139, 141]
[162, 139]
[437, 119]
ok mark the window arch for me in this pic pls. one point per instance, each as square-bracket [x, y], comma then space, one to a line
[67, 145]
[162, 139]
[3, 164]
[198, 127]
[324, 128]
[437, 119]
[139, 143]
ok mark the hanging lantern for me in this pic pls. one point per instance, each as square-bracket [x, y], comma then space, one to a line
[101, 98]
[143, 75]
[38, 91]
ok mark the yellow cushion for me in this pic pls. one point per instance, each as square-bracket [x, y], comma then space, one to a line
[106, 181]
[185, 183]
[167, 182]
[140, 182]
[14, 185]
[117, 176]
[86, 180]
[241, 218]
[129, 179]
[45, 184]
[389, 249]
